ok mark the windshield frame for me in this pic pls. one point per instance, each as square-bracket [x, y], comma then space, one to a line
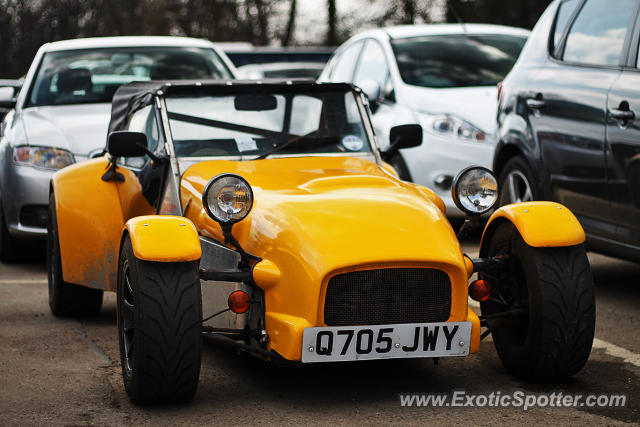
[373, 154]
[394, 41]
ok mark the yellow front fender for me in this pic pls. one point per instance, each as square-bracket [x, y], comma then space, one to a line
[541, 224]
[164, 238]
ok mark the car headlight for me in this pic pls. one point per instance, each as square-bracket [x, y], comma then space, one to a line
[42, 157]
[475, 190]
[227, 198]
[452, 126]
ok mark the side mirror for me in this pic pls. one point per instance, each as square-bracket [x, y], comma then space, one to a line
[403, 136]
[123, 143]
[7, 97]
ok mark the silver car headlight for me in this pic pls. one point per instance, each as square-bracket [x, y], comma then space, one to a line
[227, 198]
[42, 157]
[451, 126]
[475, 190]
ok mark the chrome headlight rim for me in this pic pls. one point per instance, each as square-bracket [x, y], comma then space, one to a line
[455, 193]
[207, 189]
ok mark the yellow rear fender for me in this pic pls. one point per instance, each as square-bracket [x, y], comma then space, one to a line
[163, 238]
[541, 224]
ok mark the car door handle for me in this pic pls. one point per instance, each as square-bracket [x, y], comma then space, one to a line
[535, 104]
[622, 114]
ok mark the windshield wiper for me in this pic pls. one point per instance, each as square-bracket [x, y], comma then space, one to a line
[280, 147]
[318, 141]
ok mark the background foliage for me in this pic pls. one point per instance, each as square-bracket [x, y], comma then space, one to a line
[27, 24]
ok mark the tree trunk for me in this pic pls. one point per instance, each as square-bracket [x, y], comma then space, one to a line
[263, 22]
[409, 9]
[288, 35]
[332, 33]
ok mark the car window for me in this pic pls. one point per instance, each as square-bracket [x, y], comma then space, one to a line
[598, 32]
[565, 12]
[144, 121]
[372, 65]
[250, 124]
[456, 60]
[305, 114]
[343, 70]
[93, 75]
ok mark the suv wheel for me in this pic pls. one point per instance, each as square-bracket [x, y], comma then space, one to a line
[516, 182]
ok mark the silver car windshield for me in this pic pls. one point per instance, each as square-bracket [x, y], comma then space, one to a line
[457, 60]
[251, 124]
[93, 75]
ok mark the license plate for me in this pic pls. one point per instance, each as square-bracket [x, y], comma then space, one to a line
[343, 343]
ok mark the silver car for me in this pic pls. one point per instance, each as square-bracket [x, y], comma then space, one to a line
[62, 113]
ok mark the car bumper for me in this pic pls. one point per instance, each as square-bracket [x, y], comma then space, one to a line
[286, 333]
[438, 160]
[25, 188]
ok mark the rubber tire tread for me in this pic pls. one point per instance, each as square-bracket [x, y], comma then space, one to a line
[9, 245]
[562, 311]
[66, 299]
[398, 163]
[167, 341]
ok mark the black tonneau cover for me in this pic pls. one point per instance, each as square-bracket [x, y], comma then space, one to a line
[133, 96]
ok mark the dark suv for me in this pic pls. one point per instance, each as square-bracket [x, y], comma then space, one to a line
[568, 129]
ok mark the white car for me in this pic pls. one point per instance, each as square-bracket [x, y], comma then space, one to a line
[280, 70]
[441, 76]
[62, 113]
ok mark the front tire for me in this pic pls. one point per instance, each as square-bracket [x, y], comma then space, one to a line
[8, 244]
[552, 290]
[66, 299]
[400, 166]
[159, 327]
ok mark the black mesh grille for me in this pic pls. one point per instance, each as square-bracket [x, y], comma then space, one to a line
[390, 295]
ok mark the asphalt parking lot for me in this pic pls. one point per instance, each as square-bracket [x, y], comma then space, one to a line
[67, 372]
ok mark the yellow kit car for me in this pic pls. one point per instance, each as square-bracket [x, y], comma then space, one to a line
[264, 215]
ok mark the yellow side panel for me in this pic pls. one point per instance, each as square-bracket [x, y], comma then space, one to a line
[541, 224]
[89, 224]
[132, 202]
[164, 238]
